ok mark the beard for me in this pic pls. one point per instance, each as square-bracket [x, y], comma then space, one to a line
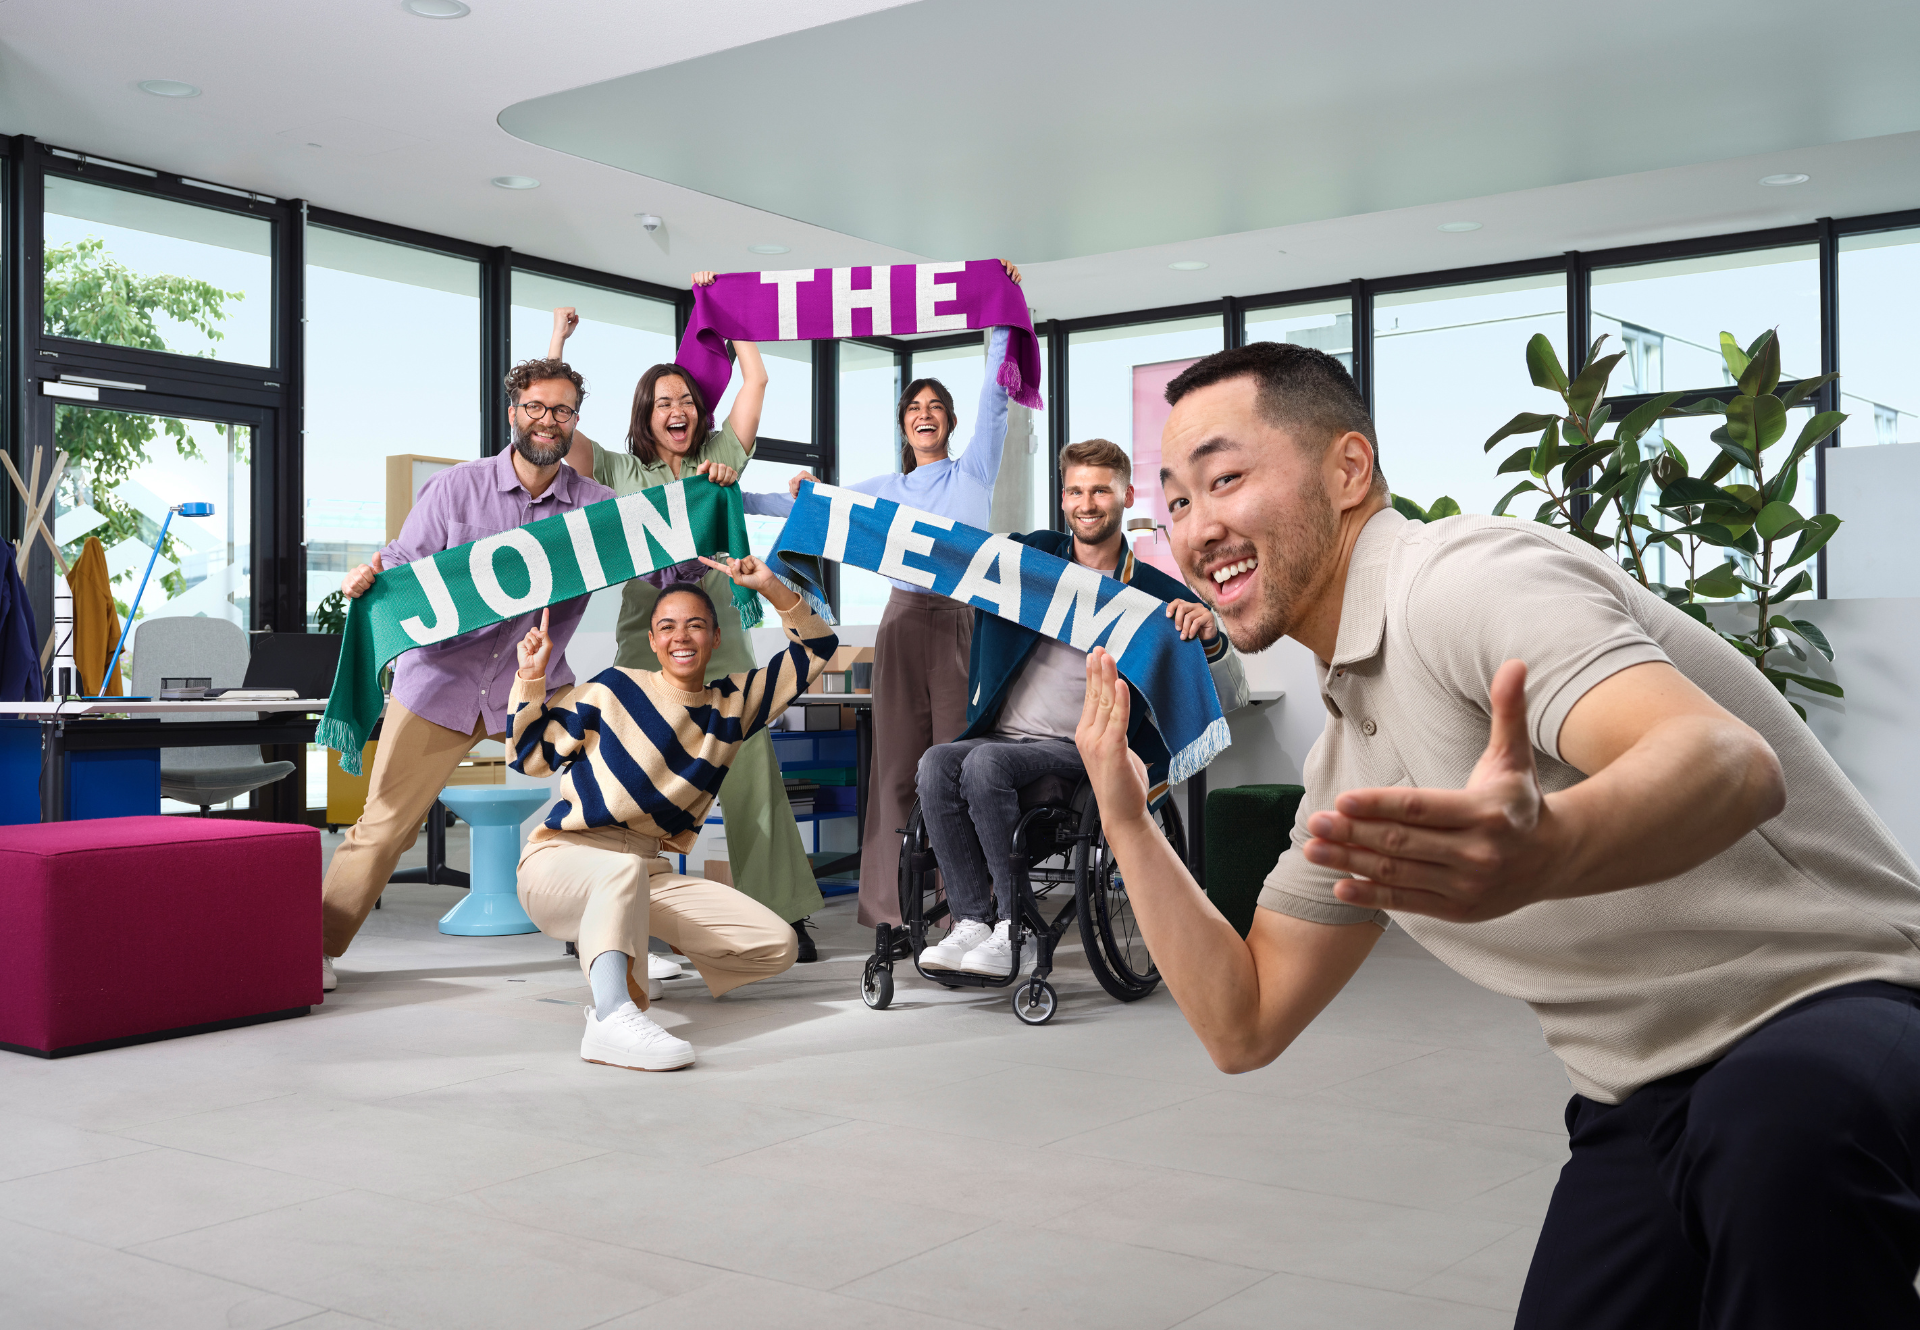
[525, 444]
[1104, 532]
[1301, 544]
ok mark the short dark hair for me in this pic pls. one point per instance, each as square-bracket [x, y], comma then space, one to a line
[529, 372]
[1098, 452]
[907, 460]
[686, 589]
[640, 440]
[1301, 389]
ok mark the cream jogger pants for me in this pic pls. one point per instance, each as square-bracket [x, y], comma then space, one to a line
[608, 889]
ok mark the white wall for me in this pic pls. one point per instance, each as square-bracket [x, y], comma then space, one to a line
[1872, 489]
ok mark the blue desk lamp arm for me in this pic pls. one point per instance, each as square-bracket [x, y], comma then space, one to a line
[184, 509]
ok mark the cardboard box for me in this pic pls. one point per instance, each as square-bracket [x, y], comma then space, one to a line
[718, 870]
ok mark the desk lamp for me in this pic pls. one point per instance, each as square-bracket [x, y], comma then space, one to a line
[185, 510]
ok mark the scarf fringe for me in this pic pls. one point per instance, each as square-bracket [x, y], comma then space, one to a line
[339, 736]
[747, 601]
[814, 603]
[1028, 395]
[1193, 759]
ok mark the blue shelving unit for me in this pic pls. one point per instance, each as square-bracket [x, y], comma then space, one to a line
[799, 751]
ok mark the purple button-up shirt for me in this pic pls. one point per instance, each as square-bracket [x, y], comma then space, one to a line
[452, 683]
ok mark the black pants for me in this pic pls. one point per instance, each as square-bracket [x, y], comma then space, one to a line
[1772, 1188]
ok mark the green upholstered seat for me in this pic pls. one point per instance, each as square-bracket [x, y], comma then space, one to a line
[1247, 829]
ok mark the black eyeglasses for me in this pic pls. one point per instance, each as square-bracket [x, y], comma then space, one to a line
[537, 410]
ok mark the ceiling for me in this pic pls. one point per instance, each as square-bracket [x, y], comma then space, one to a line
[1282, 145]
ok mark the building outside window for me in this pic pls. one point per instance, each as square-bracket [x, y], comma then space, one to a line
[1449, 368]
[1680, 308]
[1879, 353]
[618, 338]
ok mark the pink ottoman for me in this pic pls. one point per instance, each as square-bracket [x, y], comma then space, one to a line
[118, 930]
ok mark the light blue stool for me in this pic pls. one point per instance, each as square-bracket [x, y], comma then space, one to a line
[495, 812]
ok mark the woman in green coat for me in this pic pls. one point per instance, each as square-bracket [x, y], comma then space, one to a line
[667, 438]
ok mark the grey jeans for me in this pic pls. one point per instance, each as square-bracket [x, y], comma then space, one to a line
[970, 801]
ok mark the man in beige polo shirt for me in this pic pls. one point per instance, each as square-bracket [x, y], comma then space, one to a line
[1573, 794]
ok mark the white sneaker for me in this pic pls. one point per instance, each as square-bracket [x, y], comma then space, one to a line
[947, 956]
[662, 967]
[654, 989]
[994, 956]
[328, 979]
[629, 1038]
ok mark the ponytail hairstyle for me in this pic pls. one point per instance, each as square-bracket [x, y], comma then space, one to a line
[907, 460]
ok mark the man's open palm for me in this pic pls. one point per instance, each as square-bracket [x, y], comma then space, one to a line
[1463, 855]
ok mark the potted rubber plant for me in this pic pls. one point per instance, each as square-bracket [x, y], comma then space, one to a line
[1626, 495]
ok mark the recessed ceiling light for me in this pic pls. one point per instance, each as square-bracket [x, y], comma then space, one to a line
[766, 249]
[1458, 227]
[1187, 265]
[1785, 178]
[436, 8]
[516, 182]
[168, 88]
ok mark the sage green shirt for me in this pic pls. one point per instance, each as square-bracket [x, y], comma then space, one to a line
[626, 474]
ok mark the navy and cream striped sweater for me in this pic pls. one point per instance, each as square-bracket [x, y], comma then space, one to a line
[631, 748]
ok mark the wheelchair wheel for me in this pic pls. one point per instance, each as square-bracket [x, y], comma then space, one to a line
[1034, 1001]
[1116, 953]
[876, 985]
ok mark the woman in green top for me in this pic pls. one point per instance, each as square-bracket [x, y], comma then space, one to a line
[667, 438]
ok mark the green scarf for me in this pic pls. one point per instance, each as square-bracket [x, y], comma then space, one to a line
[554, 559]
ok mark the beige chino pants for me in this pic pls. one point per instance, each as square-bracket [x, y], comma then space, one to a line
[608, 889]
[410, 768]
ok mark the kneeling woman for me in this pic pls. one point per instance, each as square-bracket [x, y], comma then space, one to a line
[640, 755]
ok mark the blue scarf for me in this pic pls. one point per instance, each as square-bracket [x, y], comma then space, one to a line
[1055, 598]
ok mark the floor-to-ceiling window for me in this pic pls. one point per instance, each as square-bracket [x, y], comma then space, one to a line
[1449, 368]
[1880, 337]
[393, 370]
[1116, 385]
[1669, 316]
[618, 338]
[869, 445]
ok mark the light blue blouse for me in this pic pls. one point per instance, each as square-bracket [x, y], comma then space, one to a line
[961, 489]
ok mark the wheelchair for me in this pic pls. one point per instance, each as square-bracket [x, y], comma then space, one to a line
[1057, 848]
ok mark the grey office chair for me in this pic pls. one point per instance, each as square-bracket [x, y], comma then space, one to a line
[201, 648]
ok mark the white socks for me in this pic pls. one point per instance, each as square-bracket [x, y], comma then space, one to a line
[608, 975]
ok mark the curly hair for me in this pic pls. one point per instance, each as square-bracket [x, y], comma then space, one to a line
[529, 372]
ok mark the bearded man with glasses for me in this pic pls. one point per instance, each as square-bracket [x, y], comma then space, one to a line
[449, 695]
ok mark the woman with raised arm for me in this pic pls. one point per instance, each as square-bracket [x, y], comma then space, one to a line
[640, 754]
[668, 437]
[920, 653]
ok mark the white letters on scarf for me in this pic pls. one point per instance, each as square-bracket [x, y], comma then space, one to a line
[840, 517]
[974, 585]
[446, 618]
[789, 296]
[877, 300]
[673, 533]
[903, 540]
[929, 291]
[1078, 593]
[486, 580]
[585, 552]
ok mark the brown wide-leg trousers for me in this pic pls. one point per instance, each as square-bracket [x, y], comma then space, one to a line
[608, 889]
[919, 700]
[411, 765]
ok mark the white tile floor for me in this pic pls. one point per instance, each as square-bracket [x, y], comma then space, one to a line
[427, 1149]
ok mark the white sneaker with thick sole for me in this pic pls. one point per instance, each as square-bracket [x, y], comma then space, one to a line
[662, 967]
[969, 934]
[994, 956]
[655, 991]
[328, 979]
[629, 1038]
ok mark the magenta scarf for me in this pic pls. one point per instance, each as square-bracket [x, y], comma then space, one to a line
[811, 304]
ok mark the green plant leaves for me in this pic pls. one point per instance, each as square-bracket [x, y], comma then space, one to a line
[1804, 389]
[1591, 382]
[1524, 487]
[1409, 509]
[1801, 584]
[1691, 489]
[1639, 420]
[1547, 452]
[1806, 630]
[1819, 530]
[1519, 460]
[1825, 687]
[1762, 373]
[1776, 519]
[1543, 363]
[1731, 353]
[1718, 584]
[1755, 423]
[1524, 423]
[1443, 507]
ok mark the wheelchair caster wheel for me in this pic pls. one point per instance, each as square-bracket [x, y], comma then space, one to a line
[876, 986]
[1034, 1002]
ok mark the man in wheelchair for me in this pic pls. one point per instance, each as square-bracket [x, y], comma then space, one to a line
[1025, 694]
